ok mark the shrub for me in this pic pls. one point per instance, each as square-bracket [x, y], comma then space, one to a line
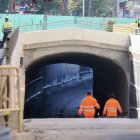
[108, 25]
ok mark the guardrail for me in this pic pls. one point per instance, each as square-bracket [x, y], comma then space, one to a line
[125, 28]
[136, 31]
[61, 24]
[134, 108]
[56, 85]
[86, 73]
[45, 26]
[39, 78]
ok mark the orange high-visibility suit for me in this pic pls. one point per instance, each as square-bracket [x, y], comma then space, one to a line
[111, 108]
[87, 107]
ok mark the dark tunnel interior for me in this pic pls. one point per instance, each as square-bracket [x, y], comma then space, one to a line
[108, 76]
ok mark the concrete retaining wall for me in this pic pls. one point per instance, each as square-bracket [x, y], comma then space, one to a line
[134, 98]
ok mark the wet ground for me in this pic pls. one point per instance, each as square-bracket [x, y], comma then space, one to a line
[62, 104]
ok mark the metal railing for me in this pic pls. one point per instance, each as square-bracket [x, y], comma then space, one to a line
[39, 78]
[10, 97]
[126, 28]
[136, 31]
[61, 24]
[59, 84]
[67, 82]
[25, 20]
[45, 26]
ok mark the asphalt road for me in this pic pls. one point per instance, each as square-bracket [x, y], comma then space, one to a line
[64, 103]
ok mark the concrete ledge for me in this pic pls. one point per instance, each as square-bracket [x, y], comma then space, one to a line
[125, 28]
[81, 123]
[23, 136]
[102, 37]
[81, 129]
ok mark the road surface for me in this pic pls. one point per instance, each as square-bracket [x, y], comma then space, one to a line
[81, 129]
[61, 104]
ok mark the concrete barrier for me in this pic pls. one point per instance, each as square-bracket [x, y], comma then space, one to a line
[125, 28]
[13, 50]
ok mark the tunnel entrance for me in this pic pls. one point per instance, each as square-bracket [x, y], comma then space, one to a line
[56, 90]
[108, 76]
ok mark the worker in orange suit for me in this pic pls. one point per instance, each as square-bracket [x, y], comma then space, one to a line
[88, 105]
[112, 107]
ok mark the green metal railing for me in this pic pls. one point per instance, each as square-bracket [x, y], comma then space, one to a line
[29, 23]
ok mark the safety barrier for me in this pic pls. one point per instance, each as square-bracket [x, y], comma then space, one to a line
[10, 97]
[13, 53]
[136, 31]
[61, 24]
[53, 87]
[10, 53]
[125, 28]
[34, 22]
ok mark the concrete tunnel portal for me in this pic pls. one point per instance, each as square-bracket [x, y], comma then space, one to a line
[108, 76]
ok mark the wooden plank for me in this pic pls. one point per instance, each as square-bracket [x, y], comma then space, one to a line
[9, 109]
[5, 113]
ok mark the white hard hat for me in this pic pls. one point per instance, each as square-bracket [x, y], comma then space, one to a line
[7, 17]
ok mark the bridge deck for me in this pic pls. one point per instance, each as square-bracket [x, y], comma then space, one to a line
[82, 129]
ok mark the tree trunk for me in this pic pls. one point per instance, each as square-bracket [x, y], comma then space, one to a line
[89, 8]
[65, 2]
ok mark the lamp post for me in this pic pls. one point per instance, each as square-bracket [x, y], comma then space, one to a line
[116, 8]
[83, 9]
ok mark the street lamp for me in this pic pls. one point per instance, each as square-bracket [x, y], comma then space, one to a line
[83, 8]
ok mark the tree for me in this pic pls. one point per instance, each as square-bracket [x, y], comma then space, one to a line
[74, 7]
[50, 8]
[3, 5]
[99, 8]
[65, 3]
[89, 8]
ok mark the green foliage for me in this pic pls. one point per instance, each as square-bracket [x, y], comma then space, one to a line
[99, 8]
[74, 7]
[111, 21]
[108, 25]
[3, 5]
[102, 8]
[50, 8]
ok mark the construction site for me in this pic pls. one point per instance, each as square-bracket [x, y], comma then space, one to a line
[49, 63]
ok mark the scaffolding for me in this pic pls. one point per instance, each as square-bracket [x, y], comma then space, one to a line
[10, 98]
